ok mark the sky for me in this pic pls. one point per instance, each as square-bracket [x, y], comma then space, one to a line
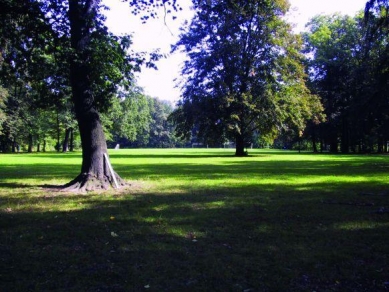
[162, 33]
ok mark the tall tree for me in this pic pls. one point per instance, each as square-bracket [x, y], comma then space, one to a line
[93, 59]
[377, 56]
[334, 46]
[244, 73]
[93, 81]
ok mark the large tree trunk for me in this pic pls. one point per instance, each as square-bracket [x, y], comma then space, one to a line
[239, 145]
[96, 172]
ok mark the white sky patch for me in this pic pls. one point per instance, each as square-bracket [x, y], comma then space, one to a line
[156, 34]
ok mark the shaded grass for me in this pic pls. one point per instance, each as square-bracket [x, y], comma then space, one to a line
[203, 220]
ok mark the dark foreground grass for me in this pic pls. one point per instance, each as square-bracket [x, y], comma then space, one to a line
[197, 220]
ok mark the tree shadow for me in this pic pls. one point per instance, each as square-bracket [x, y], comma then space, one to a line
[223, 240]
[258, 236]
[13, 185]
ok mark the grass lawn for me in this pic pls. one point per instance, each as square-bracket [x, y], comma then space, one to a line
[197, 220]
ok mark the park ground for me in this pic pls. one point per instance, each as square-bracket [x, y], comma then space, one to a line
[197, 220]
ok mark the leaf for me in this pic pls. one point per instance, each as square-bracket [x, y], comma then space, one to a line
[113, 234]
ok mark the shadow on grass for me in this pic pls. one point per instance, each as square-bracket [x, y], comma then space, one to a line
[279, 235]
[40, 172]
[193, 241]
[14, 185]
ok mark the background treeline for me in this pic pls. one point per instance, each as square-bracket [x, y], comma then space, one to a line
[135, 120]
[348, 67]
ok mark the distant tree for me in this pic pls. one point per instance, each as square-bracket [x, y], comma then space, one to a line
[334, 46]
[130, 116]
[244, 74]
[377, 68]
[161, 128]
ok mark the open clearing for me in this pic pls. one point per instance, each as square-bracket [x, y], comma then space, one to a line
[197, 220]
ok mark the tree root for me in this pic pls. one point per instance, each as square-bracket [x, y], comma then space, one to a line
[87, 182]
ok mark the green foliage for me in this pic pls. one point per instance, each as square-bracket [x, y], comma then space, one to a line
[245, 72]
[36, 54]
[347, 63]
[161, 128]
[130, 115]
[137, 120]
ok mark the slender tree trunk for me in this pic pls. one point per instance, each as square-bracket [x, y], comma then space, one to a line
[71, 145]
[30, 142]
[333, 141]
[314, 145]
[44, 145]
[13, 148]
[95, 170]
[57, 147]
[313, 137]
[334, 147]
[65, 144]
[345, 142]
[38, 144]
[239, 145]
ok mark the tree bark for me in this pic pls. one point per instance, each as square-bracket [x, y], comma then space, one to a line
[71, 145]
[239, 145]
[58, 145]
[314, 145]
[14, 146]
[95, 173]
[65, 144]
[30, 142]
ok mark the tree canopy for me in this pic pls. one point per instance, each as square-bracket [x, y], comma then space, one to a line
[244, 74]
[54, 51]
[348, 63]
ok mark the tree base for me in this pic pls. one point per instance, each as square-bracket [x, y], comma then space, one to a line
[86, 182]
[241, 154]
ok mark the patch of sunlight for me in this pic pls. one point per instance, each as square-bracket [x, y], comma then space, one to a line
[360, 225]
[261, 180]
[150, 219]
[161, 208]
[215, 205]
[311, 180]
[186, 233]
[47, 205]
[179, 232]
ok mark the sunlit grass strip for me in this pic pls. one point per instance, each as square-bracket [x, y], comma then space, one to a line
[361, 225]
[197, 220]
